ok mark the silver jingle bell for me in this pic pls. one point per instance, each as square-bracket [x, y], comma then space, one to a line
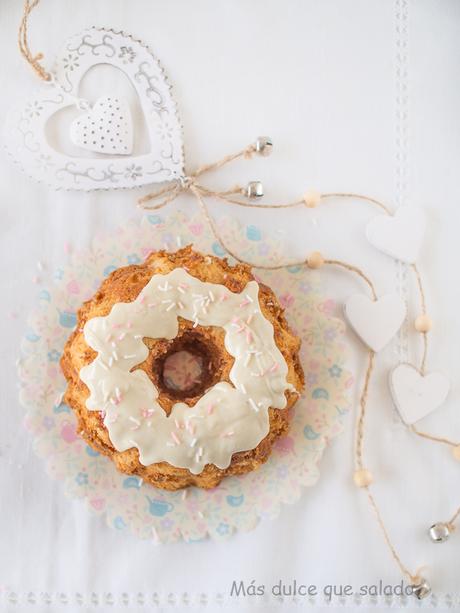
[264, 145]
[421, 589]
[439, 532]
[254, 189]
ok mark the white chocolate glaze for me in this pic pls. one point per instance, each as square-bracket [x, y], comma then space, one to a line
[227, 418]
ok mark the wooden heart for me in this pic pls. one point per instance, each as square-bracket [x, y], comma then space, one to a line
[375, 322]
[400, 235]
[25, 136]
[416, 395]
[106, 128]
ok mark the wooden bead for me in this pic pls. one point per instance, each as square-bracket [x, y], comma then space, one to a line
[423, 323]
[362, 477]
[315, 260]
[311, 199]
[456, 452]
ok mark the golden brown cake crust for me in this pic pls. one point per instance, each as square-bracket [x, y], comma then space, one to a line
[124, 285]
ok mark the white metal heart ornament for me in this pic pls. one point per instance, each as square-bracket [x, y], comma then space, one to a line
[106, 128]
[375, 321]
[416, 395]
[400, 235]
[29, 143]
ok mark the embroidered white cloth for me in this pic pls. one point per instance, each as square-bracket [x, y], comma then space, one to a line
[362, 97]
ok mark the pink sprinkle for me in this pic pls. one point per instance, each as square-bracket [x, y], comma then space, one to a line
[210, 409]
[175, 438]
[223, 298]
[122, 336]
[114, 418]
[143, 299]
[249, 336]
[274, 367]
[183, 285]
[249, 319]
[176, 421]
[129, 325]
[147, 412]
[244, 303]
[228, 434]
[102, 414]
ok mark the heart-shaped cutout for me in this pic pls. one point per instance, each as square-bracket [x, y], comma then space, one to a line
[375, 322]
[400, 235]
[106, 128]
[25, 134]
[416, 395]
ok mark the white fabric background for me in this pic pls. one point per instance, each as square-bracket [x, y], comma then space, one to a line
[360, 95]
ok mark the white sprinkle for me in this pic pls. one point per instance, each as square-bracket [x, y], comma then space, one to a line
[165, 287]
[182, 291]
[167, 301]
[169, 444]
[175, 438]
[171, 306]
[179, 241]
[102, 365]
[180, 305]
[195, 323]
[193, 442]
[133, 419]
[249, 319]
[201, 514]
[249, 298]
[211, 296]
[141, 481]
[253, 405]
[129, 356]
[138, 336]
[115, 354]
[243, 388]
[184, 494]
[111, 361]
[152, 305]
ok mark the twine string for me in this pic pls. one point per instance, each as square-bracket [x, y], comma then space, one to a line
[24, 49]
[170, 192]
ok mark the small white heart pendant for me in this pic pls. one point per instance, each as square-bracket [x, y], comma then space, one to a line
[106, 128]
[416, 395]
[400, 235]
[375, 322]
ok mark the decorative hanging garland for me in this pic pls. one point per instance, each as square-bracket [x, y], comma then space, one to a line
[399, 235]
[415, 392]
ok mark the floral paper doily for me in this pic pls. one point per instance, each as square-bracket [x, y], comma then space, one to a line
[239, 502]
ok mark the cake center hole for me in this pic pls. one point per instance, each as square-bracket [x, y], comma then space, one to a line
[183, 371]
